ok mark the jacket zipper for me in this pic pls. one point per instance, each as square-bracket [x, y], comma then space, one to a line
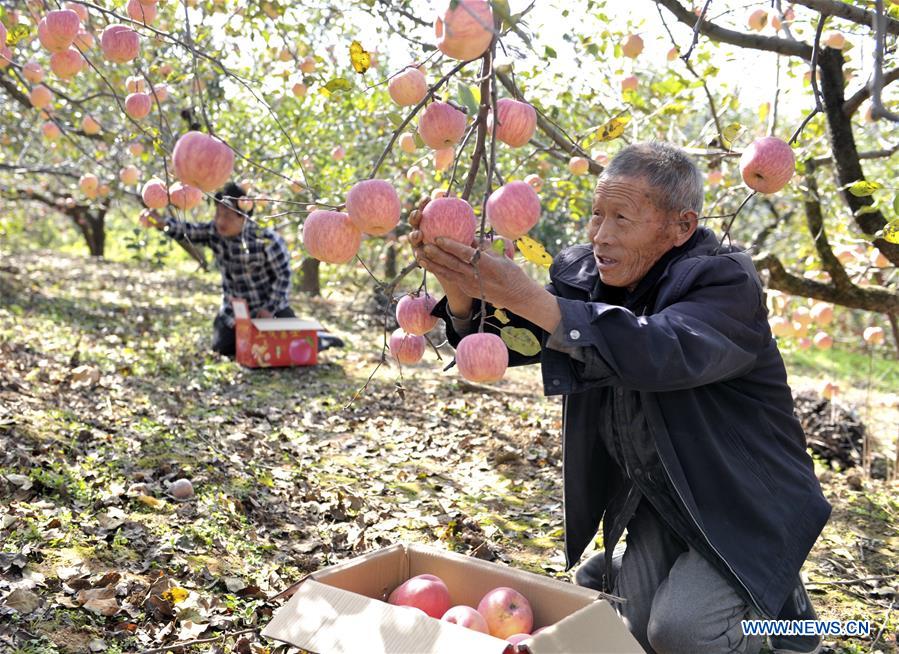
[564, 504]
[706, 538]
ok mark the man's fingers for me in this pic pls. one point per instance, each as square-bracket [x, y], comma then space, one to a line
[448, 260]
[457, 249]
[415, 218]
[415, 238]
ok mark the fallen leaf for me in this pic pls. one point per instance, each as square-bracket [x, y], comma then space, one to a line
[175, 595]
[152, 502]
[191, 630]
[23, 601]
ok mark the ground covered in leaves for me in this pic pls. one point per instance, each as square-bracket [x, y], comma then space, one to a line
[107, 395]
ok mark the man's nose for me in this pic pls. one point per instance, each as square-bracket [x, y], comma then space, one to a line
[604, 233]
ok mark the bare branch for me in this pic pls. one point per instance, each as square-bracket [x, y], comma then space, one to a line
[547, 128]
[871, 298]
[754, 41]
[848, 12]
[852, 104]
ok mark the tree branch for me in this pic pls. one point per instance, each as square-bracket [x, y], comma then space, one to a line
[871, 298]
[754, 41]
[549, 129]
[814, 218]
[852, 104]
[848, 12]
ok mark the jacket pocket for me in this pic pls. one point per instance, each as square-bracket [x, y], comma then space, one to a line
[752, 463]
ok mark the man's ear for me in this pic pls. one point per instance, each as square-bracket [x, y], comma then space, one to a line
[685, 225]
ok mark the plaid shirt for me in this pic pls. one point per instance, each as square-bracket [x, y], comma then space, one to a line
[255, 266]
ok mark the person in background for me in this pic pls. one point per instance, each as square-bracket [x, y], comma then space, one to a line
[253, 261]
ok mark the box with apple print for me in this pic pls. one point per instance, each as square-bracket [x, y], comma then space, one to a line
[274, 342]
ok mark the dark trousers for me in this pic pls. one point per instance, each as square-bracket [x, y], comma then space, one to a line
[677, 603]
[223, 338]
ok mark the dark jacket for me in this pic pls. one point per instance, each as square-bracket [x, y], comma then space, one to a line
[713, 391]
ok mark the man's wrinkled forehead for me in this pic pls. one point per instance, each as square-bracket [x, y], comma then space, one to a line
[634, 191]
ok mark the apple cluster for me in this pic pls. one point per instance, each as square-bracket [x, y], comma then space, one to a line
[502, 612]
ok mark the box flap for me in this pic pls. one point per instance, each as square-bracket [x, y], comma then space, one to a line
[286, 325]
[594, 628]
[328, 620]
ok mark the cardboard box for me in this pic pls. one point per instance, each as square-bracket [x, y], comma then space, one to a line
[340, 610]
[274, 342]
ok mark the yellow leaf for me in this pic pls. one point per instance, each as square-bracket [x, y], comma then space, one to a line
[360, 59]
[500, 315]
[534, 251]
[152, 502]
[610, 130]
[175, 595]
[729, 134]
[891, 232]
[863, 188]
[764, 108]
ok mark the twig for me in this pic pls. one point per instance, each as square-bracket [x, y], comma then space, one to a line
[877, 108]
[411, 115]
[705, 8]
[813, 67]
[198, 642]
[886, 620]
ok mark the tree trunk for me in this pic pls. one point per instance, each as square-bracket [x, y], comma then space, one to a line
[310, 282]
[390, 261]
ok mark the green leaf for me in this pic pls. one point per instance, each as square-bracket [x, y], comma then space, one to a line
[498, 245]
[501, 315]
[549, 52]
[395, 118]
[466, 97]
[868, 208]
[335, 85]
[863, 188]
[521, 340]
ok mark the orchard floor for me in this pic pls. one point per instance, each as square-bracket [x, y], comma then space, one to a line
[107, 394]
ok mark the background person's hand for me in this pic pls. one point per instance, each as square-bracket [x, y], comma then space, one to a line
[149, 218]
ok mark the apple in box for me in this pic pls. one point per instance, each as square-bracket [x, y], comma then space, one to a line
[425, 592]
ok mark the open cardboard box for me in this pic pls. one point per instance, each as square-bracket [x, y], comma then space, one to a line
[274, 342]
[342, 609]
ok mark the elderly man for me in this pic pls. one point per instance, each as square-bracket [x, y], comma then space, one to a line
[678, 420]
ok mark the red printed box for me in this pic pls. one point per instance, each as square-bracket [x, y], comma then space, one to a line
[274, 342]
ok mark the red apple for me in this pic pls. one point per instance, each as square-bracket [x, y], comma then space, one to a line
[513, 209]
[632, 46]
[449, 217]
[425, 592]
[413, 313]
[465, 29]
[57, 30]
[767, 165]
[441, 125]
[203, 161]
[483, 357]
[823, 340]
[873, 335]
[578, 165]
[406, 348]
[465, 616]
[517, 122]
[507, 612]
[408, 87]
[374, 206]
[331, 236]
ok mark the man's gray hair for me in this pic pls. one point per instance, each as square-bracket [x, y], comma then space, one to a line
[668, 170]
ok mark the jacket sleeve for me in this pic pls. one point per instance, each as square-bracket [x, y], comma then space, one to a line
[278, 259]
[198, 233]
[712, 331]
[457, 328]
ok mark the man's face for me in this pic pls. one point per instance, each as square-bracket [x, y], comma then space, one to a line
[629, 232]
[228, 223]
